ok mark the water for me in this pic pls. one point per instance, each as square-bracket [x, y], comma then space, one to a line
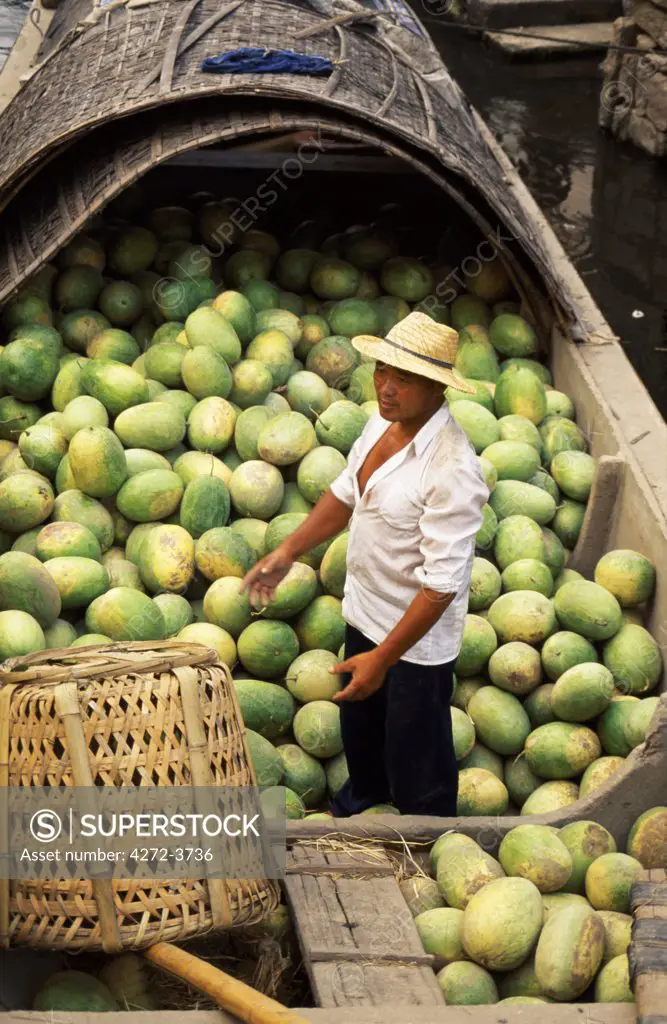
[12, 13]
[606, 202]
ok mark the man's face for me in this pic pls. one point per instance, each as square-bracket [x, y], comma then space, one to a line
[402, 395]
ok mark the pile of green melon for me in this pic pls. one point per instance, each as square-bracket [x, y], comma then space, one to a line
[547, 919]
[171, 409]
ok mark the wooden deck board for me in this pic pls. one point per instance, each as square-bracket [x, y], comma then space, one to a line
[358, 939]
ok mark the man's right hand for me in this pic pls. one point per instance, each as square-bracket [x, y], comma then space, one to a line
[261, 581]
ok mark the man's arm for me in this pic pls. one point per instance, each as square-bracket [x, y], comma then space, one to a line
[327, 519]
[368, 670]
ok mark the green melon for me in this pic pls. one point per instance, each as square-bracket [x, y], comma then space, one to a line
[609, 880]
[267, 766]
[265, 707]
[523, 615]
[520, 393]
[466, 984]
[647, 840]
[633, 657]
[150, 496]
[561, 750]
[480, 425]
[266, 649]
[256, 489]
[612, 724]
[79, 580]
[317, 729]
[340, 424]
[285, 439]
[318, 470]
[598, 772]
[480, 793]
[586, 841]
[211, 425]
[639, 719]
[251, 379]
[222, 551]
[478, 644]
[333, 359]
[191, 465]
[25, 585]
[43, 447]
[28, 368]
[303, 773]
[294, 592]
[123, 613]
[321, 626]
[518, 537]
[514, 498]
[421, 894]
[520, 781]
[513, 460]
[467, 310]
[501, 922]
[57, 540]
[113, 343]
[564, 650]
[485, 585]
[308, 677]
[482, 394]
[463, 733]
[83, 411]
[513, 336]
[26, 500]
[464, 868]
[500, 720]
[568, 521]
[533, 852]
[588, 609]
[521, 429]
[114, 384]
[528, 574]
[274, 350]
[481, 757]
[476, 357]
[73, 506]
[628, 575]
[569, 952]
[574, 472]
[218, 640]
[582, 692]
[485, 535]
[97, 462]
[207, 326]
[167, 560]
[551, 796]
[515, 667]
[440, 932]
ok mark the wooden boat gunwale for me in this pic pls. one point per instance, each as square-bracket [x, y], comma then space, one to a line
[611, 398]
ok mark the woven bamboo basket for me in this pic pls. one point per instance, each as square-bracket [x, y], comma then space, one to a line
[131, 714]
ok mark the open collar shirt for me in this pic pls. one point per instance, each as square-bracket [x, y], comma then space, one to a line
[413, 527]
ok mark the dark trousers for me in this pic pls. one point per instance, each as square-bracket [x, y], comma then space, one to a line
[398, 742]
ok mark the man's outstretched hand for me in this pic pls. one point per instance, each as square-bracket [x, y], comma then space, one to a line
[368, 672]
[261, 581]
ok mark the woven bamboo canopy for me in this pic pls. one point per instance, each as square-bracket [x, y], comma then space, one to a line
[106, 66]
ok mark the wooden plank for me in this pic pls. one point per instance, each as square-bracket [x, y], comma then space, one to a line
[304, 859]
[565, 1013]
[379, 918]
[325, 956]
[319, 919]
[357, 985]
[651, 995]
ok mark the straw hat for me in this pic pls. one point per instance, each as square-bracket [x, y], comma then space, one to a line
[419, 345]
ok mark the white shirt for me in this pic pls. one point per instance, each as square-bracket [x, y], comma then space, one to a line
[414, 527]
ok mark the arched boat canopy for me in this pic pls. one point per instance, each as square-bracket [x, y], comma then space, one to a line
[84, 125]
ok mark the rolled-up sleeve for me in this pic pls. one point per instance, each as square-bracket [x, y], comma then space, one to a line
[343, 486]
[452, 515]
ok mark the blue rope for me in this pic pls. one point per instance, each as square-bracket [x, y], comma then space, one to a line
[255, 60]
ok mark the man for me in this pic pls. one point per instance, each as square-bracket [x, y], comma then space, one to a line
[412, 494]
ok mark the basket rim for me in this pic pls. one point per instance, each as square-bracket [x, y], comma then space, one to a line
[121, 658]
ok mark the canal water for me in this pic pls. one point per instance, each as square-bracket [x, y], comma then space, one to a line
[607, 202]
